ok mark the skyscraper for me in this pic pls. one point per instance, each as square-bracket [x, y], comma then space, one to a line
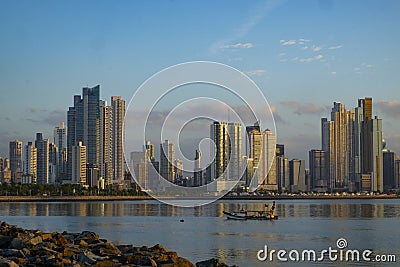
[60, 140]
[6, 173]
[318, 171]
[15, 155]
[30, 162]
[167, 158]
[79, 163]
[53, 163]
[106, 143]
[397, 173]
[84, 125]
[118, 116]
[282, 168]
[376, 154]
[178, 163]
[235, 150]
[297, 175]
[219, 134]
[197, 172]
[42, 146]
[352, 141]
[139, 164]
[340, 172]
[389, 160]
[267, 166]
[254, 154]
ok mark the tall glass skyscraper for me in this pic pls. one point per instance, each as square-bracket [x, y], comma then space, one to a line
[83, 125]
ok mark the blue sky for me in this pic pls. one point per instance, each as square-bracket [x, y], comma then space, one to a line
[304, 55]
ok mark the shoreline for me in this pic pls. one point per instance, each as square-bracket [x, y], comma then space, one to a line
[33, 247]
[141, 198]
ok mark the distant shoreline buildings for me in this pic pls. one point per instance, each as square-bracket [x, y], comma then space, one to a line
[88, 150]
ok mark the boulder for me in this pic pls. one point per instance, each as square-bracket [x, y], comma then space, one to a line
[211, 263]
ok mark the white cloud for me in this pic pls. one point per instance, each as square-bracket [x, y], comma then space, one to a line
[289, 42]
[335, 47]
[304, 48]
[309, 59]
[304, 40]
[255, 72]
[238, 45]
[333, 73]
[282, 54]
[316, 48]
[318, 57]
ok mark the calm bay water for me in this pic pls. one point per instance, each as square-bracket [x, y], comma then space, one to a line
[205, 233]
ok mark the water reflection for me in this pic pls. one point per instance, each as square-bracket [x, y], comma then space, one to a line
[311, 208]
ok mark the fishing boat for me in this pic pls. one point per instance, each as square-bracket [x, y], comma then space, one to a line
[250, 215]
[243, 214]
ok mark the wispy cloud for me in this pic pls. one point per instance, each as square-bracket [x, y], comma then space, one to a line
[255, 72]
[303, 108]
[288, 42]
[335, 47]
[237, 46]
[333, 73]
[389, 107]
[276, 115]
[256, 14]
[44, 116]
[308, 59]
[362, 68]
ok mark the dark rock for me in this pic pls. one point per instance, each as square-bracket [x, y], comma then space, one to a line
[7, 263]
[211, 263]
[5, 241]
[107, 263]
[16, 243]
[106, 249]
[10, 252]
[31, 248]
[146, 261]
[60, 240]
[82, 257]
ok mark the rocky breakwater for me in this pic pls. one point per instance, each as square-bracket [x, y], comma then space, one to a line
[21, 247]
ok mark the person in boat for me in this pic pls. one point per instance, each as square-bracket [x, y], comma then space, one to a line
[272, 211]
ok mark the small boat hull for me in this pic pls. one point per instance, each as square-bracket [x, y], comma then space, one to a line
[243, 216]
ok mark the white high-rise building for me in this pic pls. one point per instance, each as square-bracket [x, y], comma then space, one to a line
[30, 162]
[235, 148]
[377, 155]
[79, 164]
[139, 164]
[167, 158]
[267, 165]
[106, 143]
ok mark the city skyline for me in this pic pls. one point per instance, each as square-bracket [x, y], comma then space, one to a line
[330, 50]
